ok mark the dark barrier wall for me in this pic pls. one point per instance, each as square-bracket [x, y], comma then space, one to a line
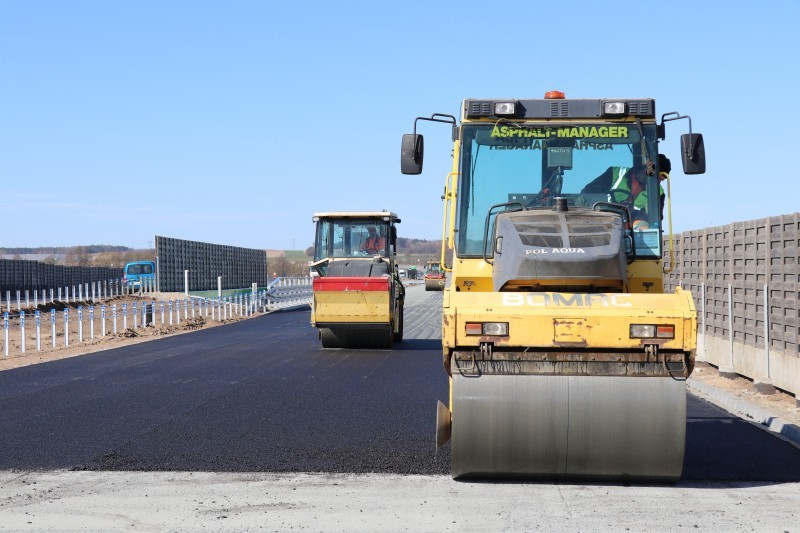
[239, 267]
[747, 256]
[20, 274]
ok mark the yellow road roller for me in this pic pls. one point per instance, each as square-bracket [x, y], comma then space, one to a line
[566, 358]
[434, 277]
[358, 296]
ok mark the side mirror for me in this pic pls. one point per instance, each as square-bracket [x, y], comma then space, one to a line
[411, 153]
[693, 153]
[393, 233]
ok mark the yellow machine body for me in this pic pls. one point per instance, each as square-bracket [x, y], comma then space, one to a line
[569, 320]
[352, 306]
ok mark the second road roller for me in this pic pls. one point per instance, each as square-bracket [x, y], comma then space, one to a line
[434, 277]
[566, 357]
[358, 296]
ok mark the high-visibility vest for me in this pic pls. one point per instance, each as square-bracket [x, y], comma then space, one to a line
[618, 181]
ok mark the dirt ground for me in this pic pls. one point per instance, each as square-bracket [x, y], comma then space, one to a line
[780, 403]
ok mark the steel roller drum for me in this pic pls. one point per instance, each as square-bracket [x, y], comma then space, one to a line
[591, 427]
[356, 336]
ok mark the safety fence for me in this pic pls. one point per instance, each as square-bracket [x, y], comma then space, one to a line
[70, 323]
[289, 293]
[21, 274]
[206, 263]
[84, 292]
[745, 279]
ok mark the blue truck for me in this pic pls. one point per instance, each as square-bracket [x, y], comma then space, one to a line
[138, 271]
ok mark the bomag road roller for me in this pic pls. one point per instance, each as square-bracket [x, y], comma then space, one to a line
[566, 358]
[358, 296]
[434, 277]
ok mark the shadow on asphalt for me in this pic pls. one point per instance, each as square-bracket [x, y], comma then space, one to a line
[722, 447]
[418, 344]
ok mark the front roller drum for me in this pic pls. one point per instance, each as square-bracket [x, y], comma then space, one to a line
[581, 427]
[434, 284]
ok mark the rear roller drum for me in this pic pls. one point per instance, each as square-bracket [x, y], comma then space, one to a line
[330, 339]
[356, 337]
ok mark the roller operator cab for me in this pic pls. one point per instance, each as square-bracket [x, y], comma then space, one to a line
[358, 296]
[566, 358]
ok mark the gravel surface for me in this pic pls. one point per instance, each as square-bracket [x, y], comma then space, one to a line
[202, 501]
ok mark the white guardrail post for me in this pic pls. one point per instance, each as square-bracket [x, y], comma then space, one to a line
[5, 334]
[22, 331]
[66, 326]
[38, 316]
[53, 327]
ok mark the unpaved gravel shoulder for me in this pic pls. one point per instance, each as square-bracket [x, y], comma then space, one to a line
[781, 404]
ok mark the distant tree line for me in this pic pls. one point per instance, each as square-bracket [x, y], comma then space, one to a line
[62, 250]
[92, 255]
[418, 246]
[282, 267]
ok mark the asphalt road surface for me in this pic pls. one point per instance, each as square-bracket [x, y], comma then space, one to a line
[262, 396]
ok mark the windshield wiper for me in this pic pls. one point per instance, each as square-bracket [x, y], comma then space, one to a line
[649, 165]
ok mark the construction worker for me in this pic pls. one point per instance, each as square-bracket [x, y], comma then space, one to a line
[628, 187]
[374, 243]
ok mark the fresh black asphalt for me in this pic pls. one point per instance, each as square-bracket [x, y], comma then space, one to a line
[261, 395]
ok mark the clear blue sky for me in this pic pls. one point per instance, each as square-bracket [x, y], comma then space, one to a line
[233, 121]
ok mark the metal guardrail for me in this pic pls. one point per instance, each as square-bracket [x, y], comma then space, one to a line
[75, 319]
[289, 293]
[73, 323]
[95, 291]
